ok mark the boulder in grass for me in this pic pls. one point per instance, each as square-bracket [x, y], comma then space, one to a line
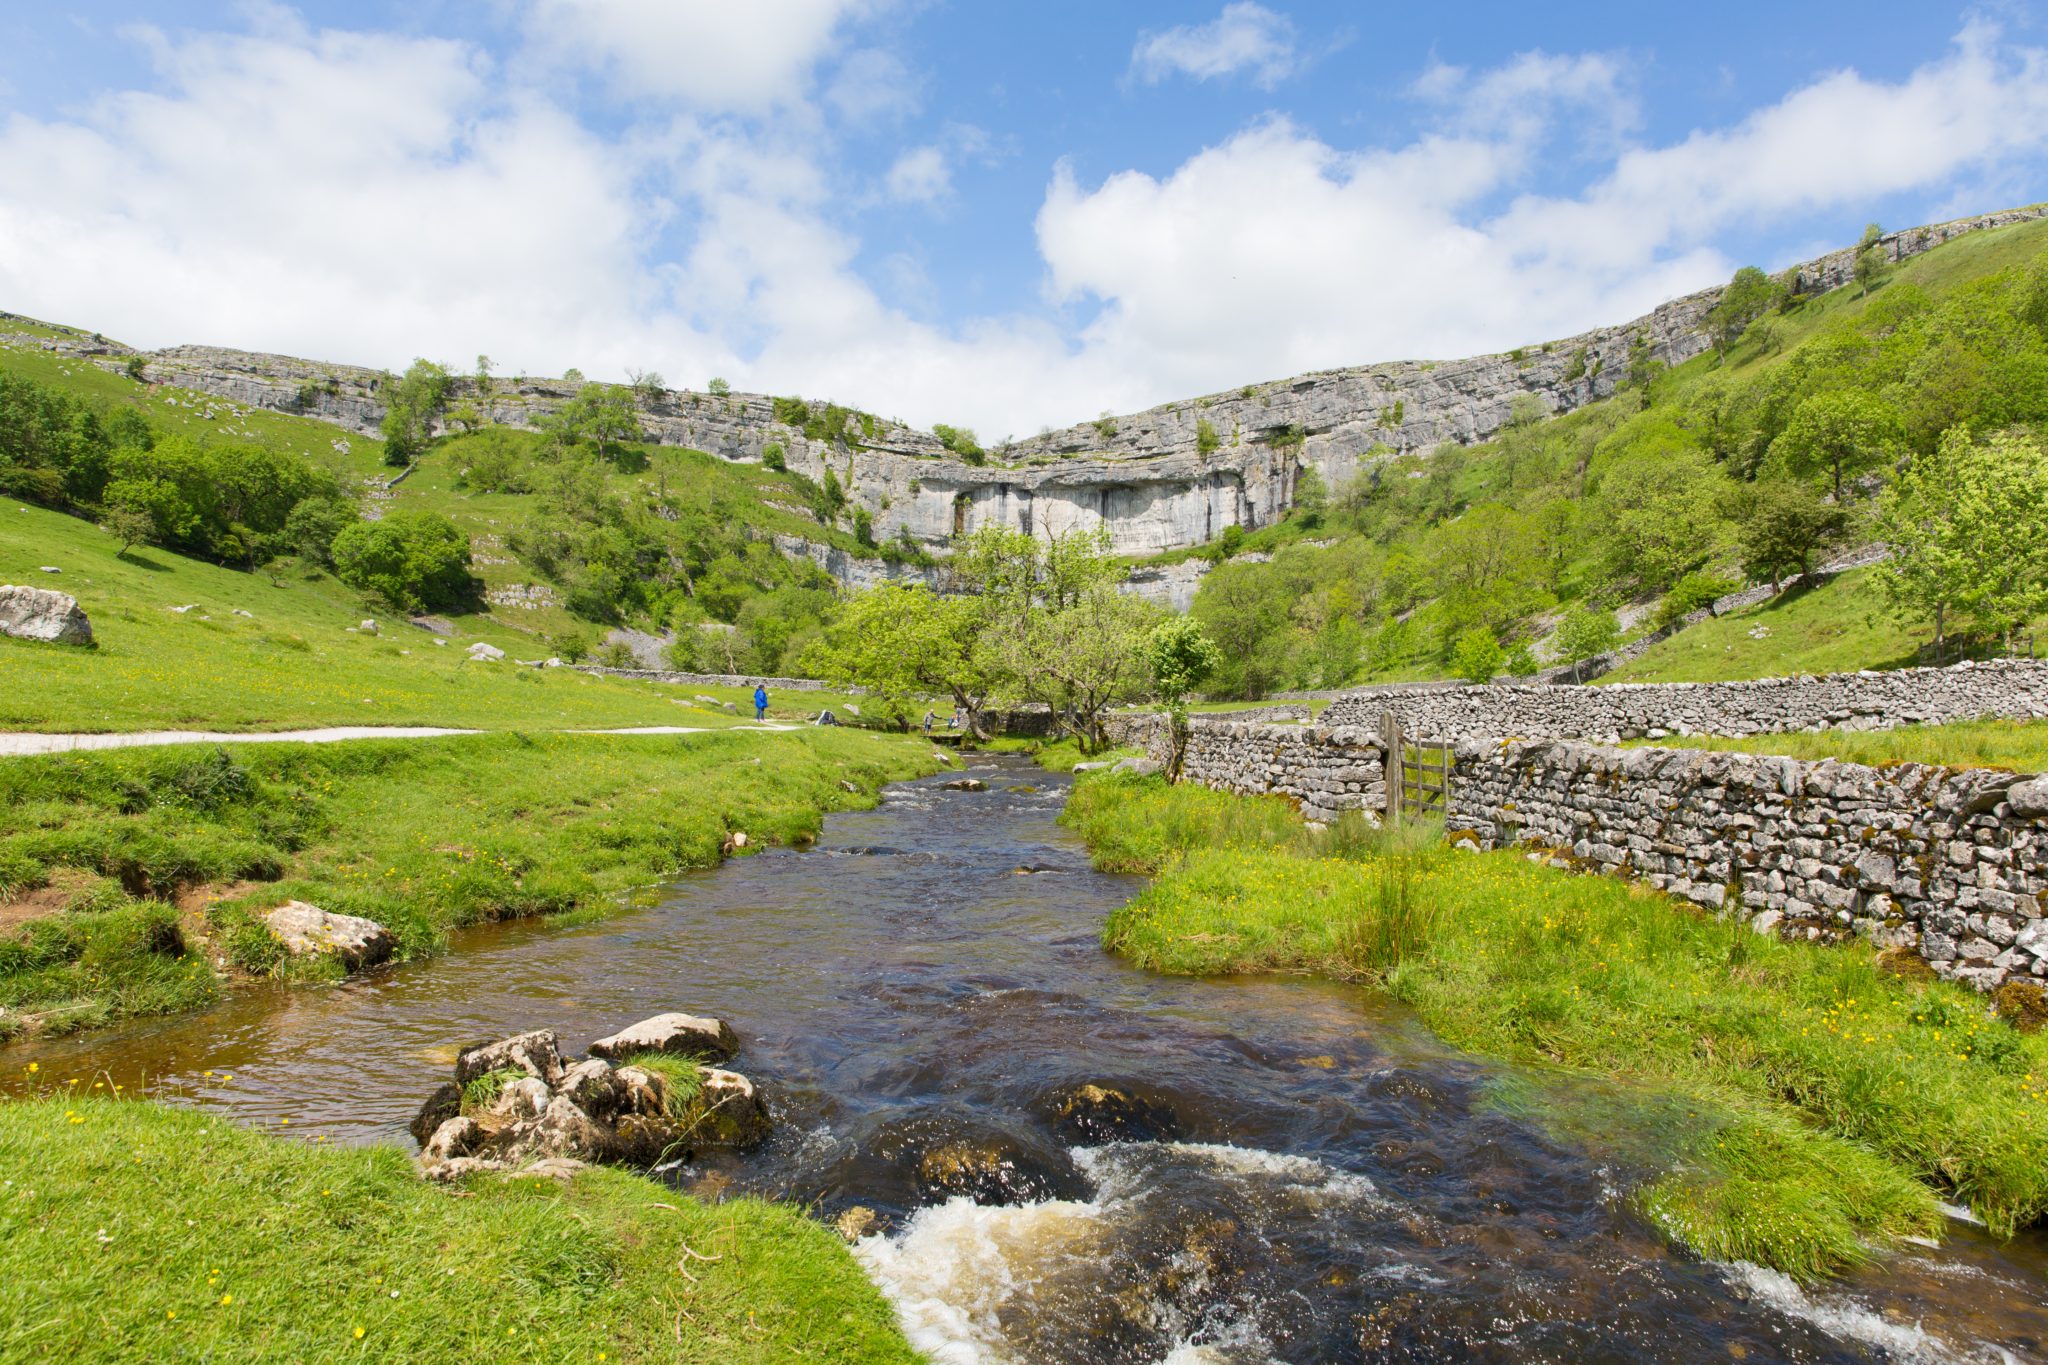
[685, 1035]
[43, 614]
[307, 929]
[1139, 767]
[484, 652]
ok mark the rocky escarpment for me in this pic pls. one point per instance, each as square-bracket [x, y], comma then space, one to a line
[1163, 479]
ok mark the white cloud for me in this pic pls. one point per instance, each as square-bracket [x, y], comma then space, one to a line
[1275, 252]
[920, 175]
[371, 198]
[1245, 37]
[712, 54]
[873, 85]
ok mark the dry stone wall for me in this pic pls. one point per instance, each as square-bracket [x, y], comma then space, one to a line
[1950, 864]
[2011, 688]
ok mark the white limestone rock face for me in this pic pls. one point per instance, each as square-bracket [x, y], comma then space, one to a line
[43, 614]
[306, 930]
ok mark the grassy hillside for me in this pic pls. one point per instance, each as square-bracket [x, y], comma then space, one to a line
[137, 1232]
[290, 661]
[570, 533]
[1664, 490]
[1838, 626]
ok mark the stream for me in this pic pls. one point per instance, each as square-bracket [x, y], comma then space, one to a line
[1288, 1169]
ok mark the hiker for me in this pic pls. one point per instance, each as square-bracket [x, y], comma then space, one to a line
[929, 718]
[760, 702]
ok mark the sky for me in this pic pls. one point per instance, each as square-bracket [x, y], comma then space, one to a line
[1000, 216]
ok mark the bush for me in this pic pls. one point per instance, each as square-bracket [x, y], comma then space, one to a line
[771, 456]
[616, 654]
[1695, 591]
[1477, 656]
[1206, 439]
[415, 560]
[960, 441]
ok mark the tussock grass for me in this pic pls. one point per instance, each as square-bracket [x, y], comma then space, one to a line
[1831, 1100]
[2018, 745]
[422, 836]
[136, 1232]
[684, 1076]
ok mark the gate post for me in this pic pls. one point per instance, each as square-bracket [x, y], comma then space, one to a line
[1391, 764]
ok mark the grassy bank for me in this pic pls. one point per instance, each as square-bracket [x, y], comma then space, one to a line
[1827, 1099]
[2017, 745]
[125, 875]
[135, 1232]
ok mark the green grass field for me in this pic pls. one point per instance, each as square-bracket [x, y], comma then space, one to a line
[100, 853]
[1827, 1100]
[2015, 745]
[291, 661]
[1837, 627]
[134, 1232]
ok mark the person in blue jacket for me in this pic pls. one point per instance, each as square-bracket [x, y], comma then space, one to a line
[760, 702]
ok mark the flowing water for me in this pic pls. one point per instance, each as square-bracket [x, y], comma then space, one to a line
[1286, 1169]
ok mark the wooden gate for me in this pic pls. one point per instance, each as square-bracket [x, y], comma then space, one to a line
[1418, 772]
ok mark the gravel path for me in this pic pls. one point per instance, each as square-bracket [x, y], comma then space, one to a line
[14, 745]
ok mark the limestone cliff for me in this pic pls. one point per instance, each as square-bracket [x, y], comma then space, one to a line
[1147, 476]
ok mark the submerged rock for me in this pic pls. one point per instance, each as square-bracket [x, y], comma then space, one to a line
[964, 784]
[43, 614]
[306, 930]
[514, 1104]
[1090, 1114]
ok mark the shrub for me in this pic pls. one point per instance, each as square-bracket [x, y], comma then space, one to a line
[414, 560]
[1477, 656]
[1695, 591]
[771, 456]
[616, 654]
[1206, 438]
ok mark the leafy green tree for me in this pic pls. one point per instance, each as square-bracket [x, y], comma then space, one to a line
[960, 440]
[772, 456]
[1182, 658]
[1586, 633]
[1870, 258]
[1520, 663]
[864, 526]
[1747, 297]
[1311, 497]
[310, 530]
[1478, 656]
[415, 560]
[1206, 439]
[129, 525]
[1658, 514]
[718, 388]
[570, 646]
[1780, 526]
[1968, 531]
[1840, 433]
[904, 641]
[411, 403]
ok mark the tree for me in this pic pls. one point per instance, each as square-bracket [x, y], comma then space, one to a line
[129, 525]
[718, 388]
[771, 456]
[1839, 432]
[1870, 257]
[647, 385]
[902, 641]
[1657, 509]
[1968, 530]
[1206, 439]
[1086, 655]
[414, 560]
[1182, 658]
[1477, 657]
[310, 530]
[484, 387]
[410, 405]
[1311, 497]
[1745, 298]
[1779, 525]
[1586, 633]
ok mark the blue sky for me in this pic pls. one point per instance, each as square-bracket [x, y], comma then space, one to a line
[1001, 215]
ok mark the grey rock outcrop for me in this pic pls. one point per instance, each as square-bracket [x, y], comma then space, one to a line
[307, 930]
[43, 614]
[515, 1104]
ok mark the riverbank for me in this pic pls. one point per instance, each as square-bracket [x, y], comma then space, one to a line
[1827, 1104]
[131, 882]
[134, 1231]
